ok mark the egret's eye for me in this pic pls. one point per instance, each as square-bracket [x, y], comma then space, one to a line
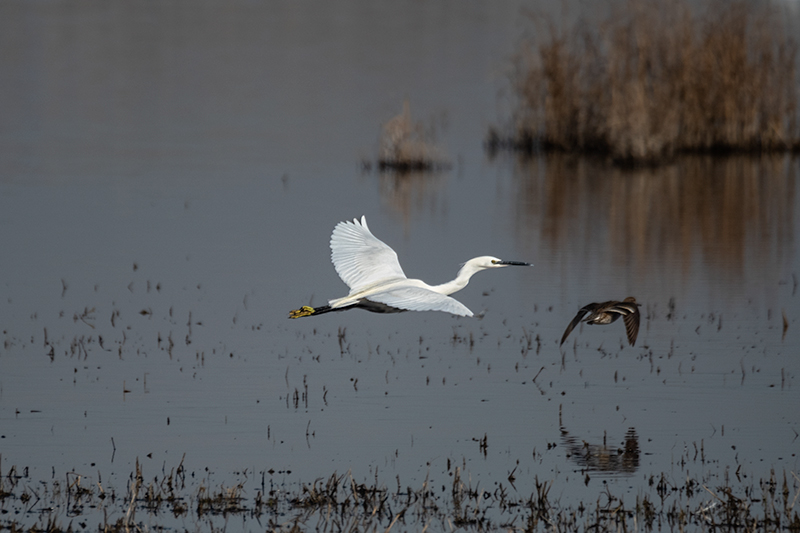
[494, 262]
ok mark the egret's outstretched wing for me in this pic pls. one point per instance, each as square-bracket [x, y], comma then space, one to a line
[359, 257]
[420, 299]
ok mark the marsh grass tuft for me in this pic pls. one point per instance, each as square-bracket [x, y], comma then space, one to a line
[656, 79]
[408, 146]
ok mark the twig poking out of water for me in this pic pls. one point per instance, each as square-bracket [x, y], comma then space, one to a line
[135, 485]
[785, 325]
[85, 316]
[656, 79]
[342, 335]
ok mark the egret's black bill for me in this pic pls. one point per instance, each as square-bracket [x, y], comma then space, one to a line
[514, 263]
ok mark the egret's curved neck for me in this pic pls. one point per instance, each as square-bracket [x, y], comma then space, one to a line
[462, 278]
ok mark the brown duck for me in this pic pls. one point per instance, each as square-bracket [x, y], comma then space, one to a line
[608, 312]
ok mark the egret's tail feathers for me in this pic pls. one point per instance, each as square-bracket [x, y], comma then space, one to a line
[307, 310]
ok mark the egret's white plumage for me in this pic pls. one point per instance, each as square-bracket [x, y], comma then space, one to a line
[377, 281]
[360, 258]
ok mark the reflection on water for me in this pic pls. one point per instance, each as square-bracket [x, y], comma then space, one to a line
[409, 193]
[732, 216]
[604, 458]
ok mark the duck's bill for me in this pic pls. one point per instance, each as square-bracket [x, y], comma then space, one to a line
[515, 263]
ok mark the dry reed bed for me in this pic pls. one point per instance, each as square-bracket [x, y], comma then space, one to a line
[656, 79]
[340, 503]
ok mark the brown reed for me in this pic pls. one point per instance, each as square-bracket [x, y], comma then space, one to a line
[407, 146]
[657, 78]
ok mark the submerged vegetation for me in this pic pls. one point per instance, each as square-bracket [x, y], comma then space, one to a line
[340, 503]
[656, 79]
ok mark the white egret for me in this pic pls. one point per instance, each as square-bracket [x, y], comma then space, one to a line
[377, 282]
[608, 312]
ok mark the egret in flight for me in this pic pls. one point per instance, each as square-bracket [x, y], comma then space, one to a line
[608, 312]
[377, 282]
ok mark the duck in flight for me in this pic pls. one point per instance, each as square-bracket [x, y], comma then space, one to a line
[377, 282]
[608, 312]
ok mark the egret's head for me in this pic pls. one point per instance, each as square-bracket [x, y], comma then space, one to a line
[476, 265]
[487, 261]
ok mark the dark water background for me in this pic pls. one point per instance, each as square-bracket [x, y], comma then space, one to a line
[169, 178]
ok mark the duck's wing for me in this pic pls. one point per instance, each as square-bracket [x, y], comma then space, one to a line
[419, 299]
[575, 321]
[629, 311]
[359, 257]
[623, 308]
[631, 319]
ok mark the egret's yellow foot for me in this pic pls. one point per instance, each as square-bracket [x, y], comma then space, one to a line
[303, 311]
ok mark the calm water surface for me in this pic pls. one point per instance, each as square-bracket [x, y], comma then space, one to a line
[170, 177]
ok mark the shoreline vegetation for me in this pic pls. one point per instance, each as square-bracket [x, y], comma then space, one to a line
[179, 498]
[656, 79]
